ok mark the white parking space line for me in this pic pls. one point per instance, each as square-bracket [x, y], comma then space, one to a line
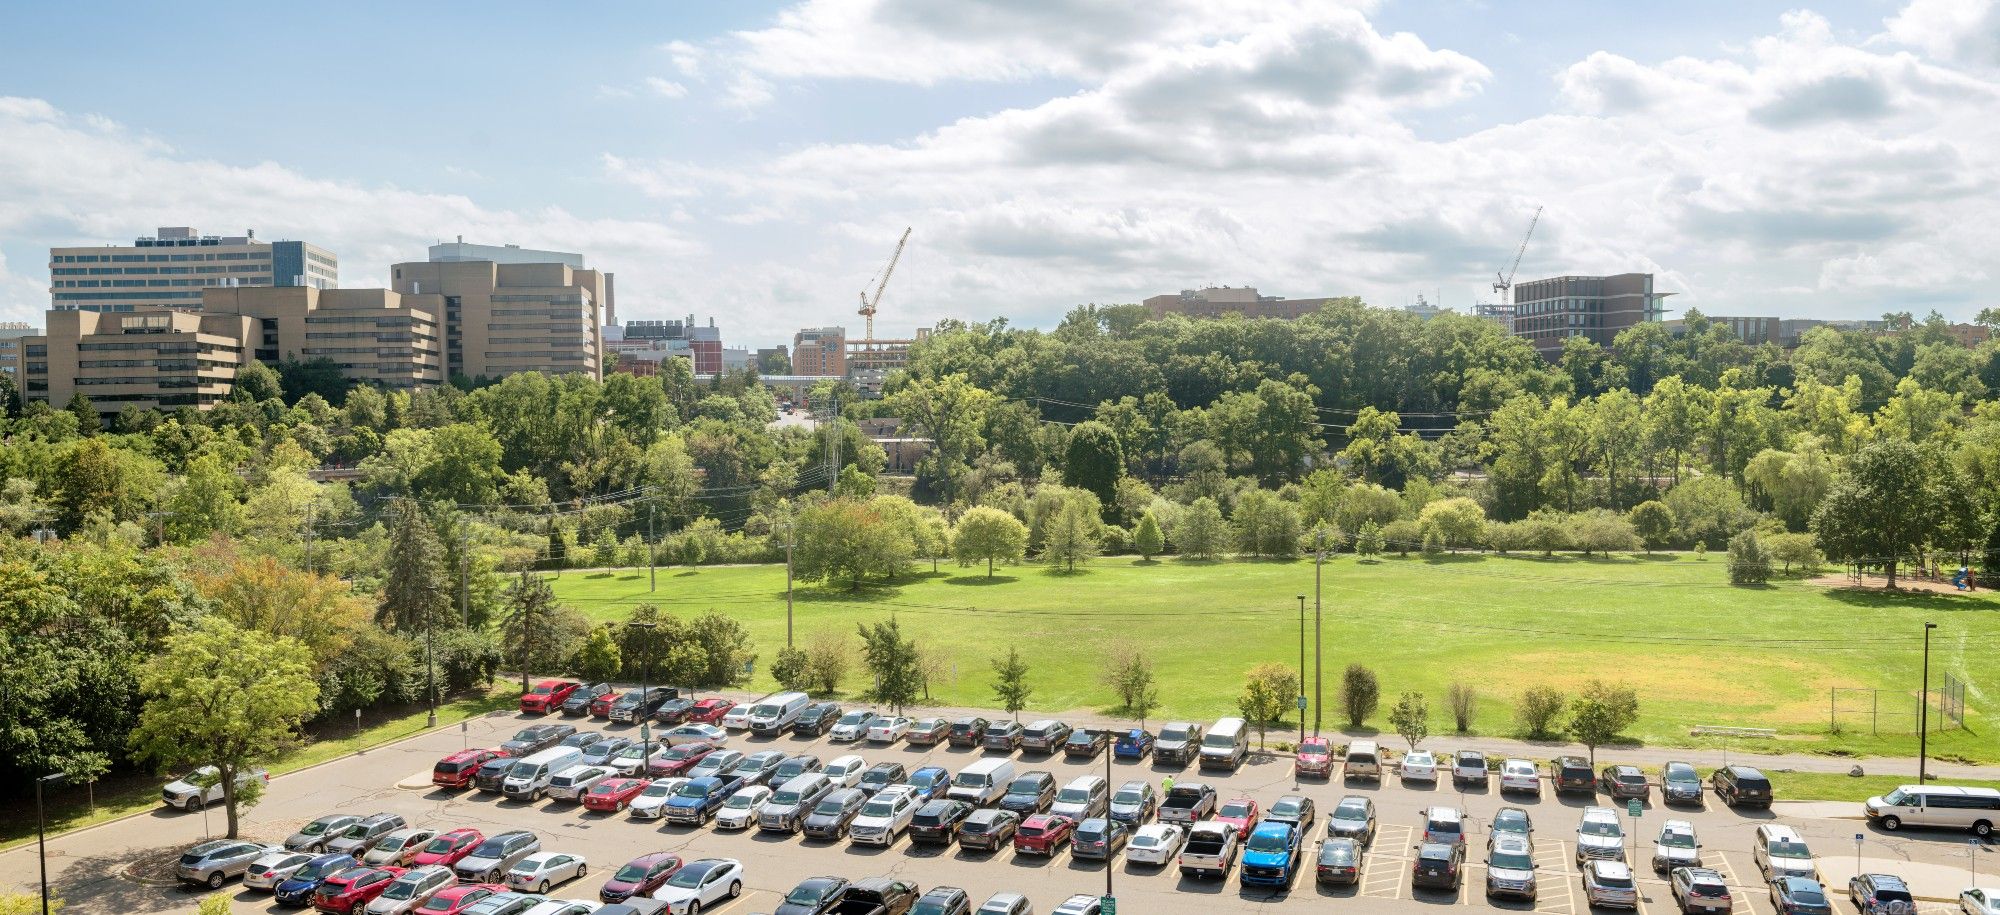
[1382, 871]
[1752, 892]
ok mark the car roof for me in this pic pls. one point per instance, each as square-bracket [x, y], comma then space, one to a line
[1599, 813]
[1436, 849]
[1513, 842]
[1611, 868]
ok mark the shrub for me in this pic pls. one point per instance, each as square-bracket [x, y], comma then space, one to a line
[1749, 562]
[1540, 707]
[1462, 697]
[1359, 694]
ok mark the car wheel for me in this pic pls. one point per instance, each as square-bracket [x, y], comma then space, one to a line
[214, 880]
[735, 889]
[1892, 823]
[544, 888]
[582, 871]
[1982, 829]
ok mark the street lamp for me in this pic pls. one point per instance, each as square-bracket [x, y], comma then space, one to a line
[1924, 708]
[645, 691]
[41, 838]
[1319, 559]
[1302, 668]
[1108, 753]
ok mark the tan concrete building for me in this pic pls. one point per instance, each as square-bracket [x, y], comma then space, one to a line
[377, 337]
[171, 269]
[159, 359]
[1216, 301]
[820, 351]
[501, 319]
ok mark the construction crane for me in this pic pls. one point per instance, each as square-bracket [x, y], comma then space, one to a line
[869, 302]
[1506, 280]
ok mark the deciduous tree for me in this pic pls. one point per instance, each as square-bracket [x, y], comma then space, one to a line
[1359, 694]
[1202, 533]
[988, 534]
[1411, 718]
[1599, 713]
[1268, 693]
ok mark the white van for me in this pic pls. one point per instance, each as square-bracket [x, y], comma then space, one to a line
[982, 782]
[1224, 746]
[1364, 760]
[528, 779]
[1778, 851]
[774, 714]
[1942, 806]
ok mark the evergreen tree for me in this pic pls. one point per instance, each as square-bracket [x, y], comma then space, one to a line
[1147, 539]
[416, 589]
[1011, 689]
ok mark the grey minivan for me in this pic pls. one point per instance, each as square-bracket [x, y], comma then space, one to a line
[313, 836]
[788, 806]
[211, 863]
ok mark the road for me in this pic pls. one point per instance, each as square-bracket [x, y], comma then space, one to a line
[85, 866]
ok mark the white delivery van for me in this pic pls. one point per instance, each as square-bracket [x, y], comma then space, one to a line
[982, 782]
[1942, 806]
[775, 714]
[1224, 746]
[529, 778]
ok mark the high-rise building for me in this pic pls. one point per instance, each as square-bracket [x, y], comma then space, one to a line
[1546, 312]
[171, 268]
[706, 344]
[1216, 301]
[501, 319]
[460, 250]
[820, 351]
[11, 333]
[375, 336]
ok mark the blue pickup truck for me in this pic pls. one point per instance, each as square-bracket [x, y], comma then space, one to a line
[696, 802]
[1271, 857]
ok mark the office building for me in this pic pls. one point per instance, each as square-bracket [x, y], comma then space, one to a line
[705, 343]
[501, 319]
[1499, 313]
[171, 268]
[820, 352]
[869, 362]
[1546, 312]
[737, 358]
[1216, 301]
[377, 337]
[157, 359]
[11, 333]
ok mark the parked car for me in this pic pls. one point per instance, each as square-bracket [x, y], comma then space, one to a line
[937, 821]
[736, 719]
[1419, 766]
[1979, 901]
[988, 829]
[1043, 834]
[1134, 802]
[274, 867]
[696, 732]
[884, 818]
[1086, 743]
[1338, 863]
[1519, 775]
[788, 807]
[1004, 736]
[1675, 846]
[599, 752]
[709, 711]
[1030, 792]
[852, 726]
[1700, 890]
[1314, 758]
[600, 707]
[1680, 784]
[297, 890]
[456, 771]
[678, 760]
[490, 860]
[1099, 839]
[927, 732]
[577, 703]
[1624, 783]
[1046, 735]
[1005, 904]
[1084, 796]
[351, 890]
[1353, 818]
[541, 870]
[203, 787]
[967, 732]
[1296, 809]
[1240, 812]
[1468, 767]
[1741, 786]
[1881, 894]
[1080, 904]
[491, 776]
[1599, 837]
[651, 804]
[700, 884]
[846, 771]
[1179, 743]
[637, 705]
[357, 839]
[1512, 820]
[881, 775]
[1187, 803]
[1210, 850]
[1510, 868]
[1155, 843]
[674, 711]
[535, 738]
[795, 766]
[454, 900]
[889, 729]
[313, 836]
[814, 896]
[1271, 856]
[697, 800]
[817, 719]
[416, 886]
[640, 876]
[1609, 884]
[581, 739]
[547, 696]
[1799, 896]
[613, 795]
[1572, 774]
[1779, 851]
[211, 864]
[1438, 865]
[930, 782]
[943, 900]
[398, 847]
[446, 849]
[742, 808]
[830, 818]
[758, 768]
[573, 783]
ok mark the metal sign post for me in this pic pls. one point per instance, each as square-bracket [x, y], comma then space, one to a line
[1632, 810]
[1858, 838]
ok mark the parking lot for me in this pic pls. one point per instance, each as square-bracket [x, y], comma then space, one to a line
[86, 867]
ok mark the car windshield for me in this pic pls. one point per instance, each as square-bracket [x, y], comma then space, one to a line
[630, 873]
[440, 845]
[879, 808]
[855, 717]
[1287, 808]
[806, 894]
[401, 889]
[1808, 897]
[688, 878]
[1513, 860]
[658, 789]
[1614, 881]
[1074, 795]
[1678, 772]
[1896, 798]
[1605, 827]
[1351, 811]
[742, 801]
[1025, 786]
[1144, 841]
[1234, 809]
[1128, 796]
[1340, 853]
[831, 806]
[542, 689]
[1677, 839]
[311, 872]
[1420, 758]
[1510, 821]
[1218, 742]
[692, 789]
[1174, 734]
[1267, 842]
[1789, 850]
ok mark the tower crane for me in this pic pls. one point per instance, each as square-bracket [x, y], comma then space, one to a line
[1506, 281]
[869, 302]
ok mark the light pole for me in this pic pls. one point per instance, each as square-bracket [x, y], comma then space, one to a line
[1302, 668]
[430, 672]
[1107, 825]
[41, 838]
[645, 689]
[1924, 708]
[1319, 559]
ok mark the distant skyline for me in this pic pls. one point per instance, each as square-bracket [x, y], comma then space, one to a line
[755, 161]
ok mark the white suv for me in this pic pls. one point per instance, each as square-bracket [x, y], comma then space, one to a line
[1520, 775]
[885, 816]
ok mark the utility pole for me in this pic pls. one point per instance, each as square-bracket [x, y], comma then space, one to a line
[1302, 668]
[1924, 708]
[833, 444]
[41, 839]
[464, 578]
[1319, 559]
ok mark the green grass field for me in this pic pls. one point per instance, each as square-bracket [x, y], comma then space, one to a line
[1697, 650]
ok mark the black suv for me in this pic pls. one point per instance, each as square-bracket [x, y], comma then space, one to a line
[532, 740]
[937, 822]
[967, 732]
[578, 702]
[817, 719]
[636, 705]
[1572, 773]
[881, 775]
[1087, 742]
[1741, 786]
[1029, 793]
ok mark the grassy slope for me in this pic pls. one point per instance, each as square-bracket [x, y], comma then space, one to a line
[1663, 624]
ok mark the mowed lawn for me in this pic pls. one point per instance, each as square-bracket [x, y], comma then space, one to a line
[1697, 650]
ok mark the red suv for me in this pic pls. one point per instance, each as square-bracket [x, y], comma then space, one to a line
[710, 711]
[679, 760]
[456, 770]
[352, 889]
[1043, 834]
[453, 900]
[547, 696]
[1315, 757]
[448, 848]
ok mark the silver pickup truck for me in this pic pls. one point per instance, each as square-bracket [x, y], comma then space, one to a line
[1187, 803]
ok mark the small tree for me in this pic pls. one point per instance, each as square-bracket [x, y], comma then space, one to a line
[1074, 535]
[1011, 689]
[527, 622]
[1655, 523]
[213, 904]
[792, 669]
[1359, 694]
[892, 657]
[599, 660]
[1147, 539]
[1402, 535]
[985, 534]
[1749, 562]
[1462, 697]
[826, 661]
[1795, 550]
[1540, 707]
[1268, 692]
[1202, 533]
[1411, 718]
[1433, 544]
[1368, 543]
[1600, 713]
[1128, 671]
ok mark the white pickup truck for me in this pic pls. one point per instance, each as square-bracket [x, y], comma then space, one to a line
[1210, 851]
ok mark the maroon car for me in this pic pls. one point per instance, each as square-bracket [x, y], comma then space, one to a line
[640, 876]
[679, 760]
[927, 732]
[709, 711]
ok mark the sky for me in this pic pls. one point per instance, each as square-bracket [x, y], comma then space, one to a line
[755, 161]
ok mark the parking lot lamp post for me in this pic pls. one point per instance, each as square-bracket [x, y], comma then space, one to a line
[1319, 559]
[1924, 708]
[645, 676]
[1109, 751]
[1302, 668]
[41, 839]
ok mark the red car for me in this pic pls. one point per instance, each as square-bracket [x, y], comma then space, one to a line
[1239, 812]
[547, 696]
[679, 760]
[614, 794]
[1315, 757]
[447, 848]
[710, 711]
[1043, 834]
[927, 732]
[455, 899]
[352, 889]
[600, 707]
[640, 876]
[456, 770]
